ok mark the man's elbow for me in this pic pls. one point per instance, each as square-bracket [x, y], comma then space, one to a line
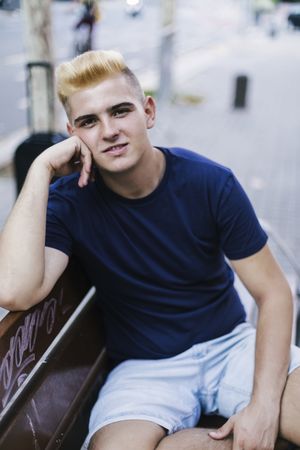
[22, 296]
[285, 291]
[14, 301]
[280, 291]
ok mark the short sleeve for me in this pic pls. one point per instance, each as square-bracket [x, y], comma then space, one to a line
[241, 234]
[57, 234]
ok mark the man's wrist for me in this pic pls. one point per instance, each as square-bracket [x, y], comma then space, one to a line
[267, 401]
[41, 165]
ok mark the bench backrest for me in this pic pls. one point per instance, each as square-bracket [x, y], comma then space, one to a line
[52, 362]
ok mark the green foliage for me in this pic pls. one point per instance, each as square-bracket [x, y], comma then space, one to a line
[179, 98]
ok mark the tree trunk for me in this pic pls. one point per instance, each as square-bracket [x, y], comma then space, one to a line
[166, 51]
[40, 84]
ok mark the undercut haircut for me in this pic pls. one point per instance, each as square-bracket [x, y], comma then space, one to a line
[89, 69]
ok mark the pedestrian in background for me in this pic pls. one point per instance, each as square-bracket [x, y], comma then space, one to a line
[89, 15]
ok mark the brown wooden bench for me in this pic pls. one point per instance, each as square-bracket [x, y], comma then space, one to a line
[52, 364]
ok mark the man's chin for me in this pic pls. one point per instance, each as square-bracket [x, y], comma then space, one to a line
[117, 166]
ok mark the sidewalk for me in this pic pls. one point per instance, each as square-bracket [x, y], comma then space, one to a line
[260, 143]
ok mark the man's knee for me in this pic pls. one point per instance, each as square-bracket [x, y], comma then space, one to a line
[128, 435]
[290, 408]
[193, 439]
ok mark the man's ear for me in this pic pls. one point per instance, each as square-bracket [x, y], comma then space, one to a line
[70, 129]
[150, 111]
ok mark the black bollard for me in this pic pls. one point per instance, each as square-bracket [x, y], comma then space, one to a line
[28, 150]
[240, 91]
[38, 141]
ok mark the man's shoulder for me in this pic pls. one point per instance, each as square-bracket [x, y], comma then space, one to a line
[198, 162]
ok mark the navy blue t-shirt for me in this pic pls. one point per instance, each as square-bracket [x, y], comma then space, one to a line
[158, 262]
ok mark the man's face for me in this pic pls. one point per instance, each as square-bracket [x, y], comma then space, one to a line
[112, 121]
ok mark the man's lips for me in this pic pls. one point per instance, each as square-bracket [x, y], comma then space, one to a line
[116, 149]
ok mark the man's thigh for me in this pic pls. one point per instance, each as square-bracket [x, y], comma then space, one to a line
[128, 435]
[168, 392]
[236, 386]
[158, 391]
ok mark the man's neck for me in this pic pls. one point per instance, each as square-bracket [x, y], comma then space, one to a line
[141, 180]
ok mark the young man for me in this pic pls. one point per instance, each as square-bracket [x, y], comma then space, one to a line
[152, 227]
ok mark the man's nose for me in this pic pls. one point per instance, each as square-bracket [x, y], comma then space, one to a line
[110, 129]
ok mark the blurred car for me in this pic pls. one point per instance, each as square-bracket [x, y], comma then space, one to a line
[133, 7]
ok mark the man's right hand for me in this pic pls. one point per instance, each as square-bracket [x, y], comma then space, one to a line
[66, 157]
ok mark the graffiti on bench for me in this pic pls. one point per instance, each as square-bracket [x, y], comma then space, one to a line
[24, 337]
[27, 344]
[38, 362]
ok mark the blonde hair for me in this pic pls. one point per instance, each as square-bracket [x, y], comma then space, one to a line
[89, 69]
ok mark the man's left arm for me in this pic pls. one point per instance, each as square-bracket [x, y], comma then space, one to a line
[256, 426]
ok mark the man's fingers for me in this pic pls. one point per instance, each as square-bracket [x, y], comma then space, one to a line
[86, 161]
[224, 431]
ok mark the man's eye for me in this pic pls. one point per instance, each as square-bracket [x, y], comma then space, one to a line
[121, 112]
[87, 123]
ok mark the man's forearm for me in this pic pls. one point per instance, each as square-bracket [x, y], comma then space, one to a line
[22, 241]
[273, 346]
[257, 425]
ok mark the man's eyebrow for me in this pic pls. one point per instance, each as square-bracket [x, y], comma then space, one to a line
[120, 105]
[84, 117]
[109, 110]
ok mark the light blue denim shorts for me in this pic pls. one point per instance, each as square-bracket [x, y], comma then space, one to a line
[214, 377]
